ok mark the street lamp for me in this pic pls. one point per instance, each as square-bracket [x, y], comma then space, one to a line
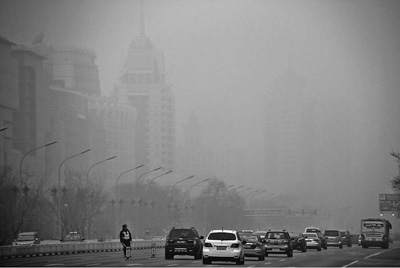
[245, 190]
[137, 180]
[97, 163]
[173, 187]
[159, 176]
[3, 128]
[116, 194]
[190, 189]
[4, 147]
[59, 187]
[23, 157]
[241, 186]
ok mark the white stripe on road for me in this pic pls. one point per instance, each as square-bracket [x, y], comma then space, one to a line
[350, 264]
[133, 264]
[94, 264]
[267, 263]
[372, 255]
[174, 264]
[55, 264]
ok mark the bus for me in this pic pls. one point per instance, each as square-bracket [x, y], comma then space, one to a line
[375, 232]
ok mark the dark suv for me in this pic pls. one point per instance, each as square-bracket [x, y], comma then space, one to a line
[183, 241]
[278, 242]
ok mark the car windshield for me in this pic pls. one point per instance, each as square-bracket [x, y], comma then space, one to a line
[343, 233]
[310, 235]
[26, 237]
[250, 238]
[222, 236]
[331, 233]
[181, 233]
[275, 235]
[72, 238]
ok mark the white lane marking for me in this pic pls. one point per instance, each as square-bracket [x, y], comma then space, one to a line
[350, 264]
[282, 260]
[372, 255]
[55, 264]
[267, 263]
[174, 264]
[196, 261]
[94, 264]
[133, 264]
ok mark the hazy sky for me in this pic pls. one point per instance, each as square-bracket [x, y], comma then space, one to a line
[223, 55]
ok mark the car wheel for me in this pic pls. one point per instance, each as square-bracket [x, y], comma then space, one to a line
[326, 247]
[168, 256]
[261, 258]
[290, 254]
[341, 246]
[318, 248]
[206, 261]
[198, 255]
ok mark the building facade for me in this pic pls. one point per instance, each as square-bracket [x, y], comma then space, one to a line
[142, 84]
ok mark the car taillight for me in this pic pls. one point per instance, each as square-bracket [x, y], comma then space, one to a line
[195, 242]
[236, 245]
[208, 245]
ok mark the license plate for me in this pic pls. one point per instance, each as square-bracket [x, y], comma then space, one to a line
[221, 248]
[180, 242]
[180, 250]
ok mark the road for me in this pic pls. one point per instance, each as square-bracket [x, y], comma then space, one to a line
[333, 257]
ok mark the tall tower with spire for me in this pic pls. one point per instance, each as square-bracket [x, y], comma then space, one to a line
[142, 84]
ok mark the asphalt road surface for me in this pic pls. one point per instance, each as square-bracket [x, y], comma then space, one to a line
[333, 257]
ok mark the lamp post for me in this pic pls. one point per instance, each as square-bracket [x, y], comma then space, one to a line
[190, 189]
[249, 188]
[158, 177]
[4, 147]
[137, 180]
[23, 157]
[59, 187]
[116, 194]
[97, 163]
[241, 186]
[173, 187]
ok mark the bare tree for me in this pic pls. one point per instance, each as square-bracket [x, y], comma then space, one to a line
[396, 178]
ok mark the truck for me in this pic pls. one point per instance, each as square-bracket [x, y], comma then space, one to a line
[375, 233]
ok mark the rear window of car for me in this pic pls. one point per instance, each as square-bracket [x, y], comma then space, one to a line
[222, 236]
[250, 238]
[181, 233]
[26, 237]
[311, 235]
[275, 235]
[331, 233]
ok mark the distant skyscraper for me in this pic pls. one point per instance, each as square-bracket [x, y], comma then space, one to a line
[142, 83]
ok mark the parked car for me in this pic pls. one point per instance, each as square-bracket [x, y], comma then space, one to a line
[333, 238]
[278, 242]
[73, 237]
[27, 239]
[321, 237]
[183, 241]
[313, 241]
[346, 238]
[223, 245]
[254, 246]
[298, 241]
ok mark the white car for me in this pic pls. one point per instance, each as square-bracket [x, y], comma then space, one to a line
[223, 245]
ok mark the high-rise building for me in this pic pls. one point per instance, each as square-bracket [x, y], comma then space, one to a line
[142, 84]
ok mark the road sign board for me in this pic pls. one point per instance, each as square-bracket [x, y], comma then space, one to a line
[389, 202]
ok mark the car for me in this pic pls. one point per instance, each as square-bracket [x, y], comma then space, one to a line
[333, 238]
[261, 233]
[313, 241]
[223, 245]
[254, 246]
[27, 239]
[321, 237]
[183, 241]
[346, 238]
[298, 241]
[278, 242]
[73, 237]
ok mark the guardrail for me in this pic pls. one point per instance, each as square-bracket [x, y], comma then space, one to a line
[71, 248]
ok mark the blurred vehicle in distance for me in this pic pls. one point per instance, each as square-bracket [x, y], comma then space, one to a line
[298, 241]
[313, 241]
[27, 239]
[261, 233]
[278, 242]
[73, 237]
[254, 246]
[346, 238]
[333, 238]
[321, 237]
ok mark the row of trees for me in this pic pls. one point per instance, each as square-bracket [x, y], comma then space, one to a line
[98, 213]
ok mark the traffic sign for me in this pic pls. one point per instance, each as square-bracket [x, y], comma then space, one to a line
[389, 202]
